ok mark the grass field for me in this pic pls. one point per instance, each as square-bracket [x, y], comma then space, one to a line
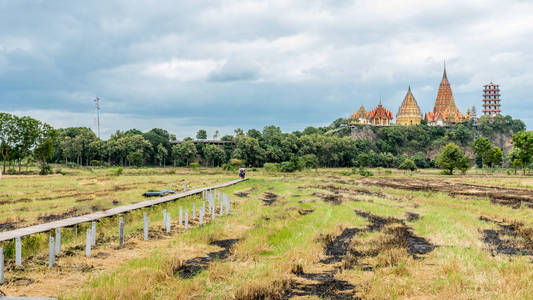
[315, 234]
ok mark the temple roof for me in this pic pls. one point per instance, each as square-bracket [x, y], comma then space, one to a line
[409, 106]
[445, 104]
[381, 113]
[360, 114]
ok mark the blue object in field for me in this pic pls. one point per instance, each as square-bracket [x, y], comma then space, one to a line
[160, 193]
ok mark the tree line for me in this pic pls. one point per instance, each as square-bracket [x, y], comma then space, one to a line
[24, 138]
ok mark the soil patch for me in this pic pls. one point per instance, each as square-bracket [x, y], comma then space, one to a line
[269, 198]
[415, 244]
[192, 267]
[54, 217]
[325, 285]
[412, 217]
[510, 239]
[304, 212]
[514, 197]
[334, 198]
[6, 226]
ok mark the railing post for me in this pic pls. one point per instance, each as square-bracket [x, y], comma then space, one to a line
[121, 232]
[164, 217]
[180, 222]
[145, 219]
[51, 253]
[58, 241]
[168, 222]
[18, 252]
[93, 232]
[88, 243]
[186, 219]
[1, 265]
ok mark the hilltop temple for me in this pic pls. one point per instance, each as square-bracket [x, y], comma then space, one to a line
[361, 116]
[380, 116]
[409, 112]
[445, 110]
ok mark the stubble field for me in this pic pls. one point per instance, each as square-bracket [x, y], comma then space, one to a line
[315, 234]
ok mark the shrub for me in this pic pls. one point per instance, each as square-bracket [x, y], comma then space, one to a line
[194, 165]
[272, 167]
[95, 163]
[45, 169]
[236, 163]
[117, 171]
[408, 164]
[365, 173]
[287, 167]
[309, 161]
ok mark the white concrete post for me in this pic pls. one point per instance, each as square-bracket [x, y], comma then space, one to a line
[88, 243]
[164, 217]
[76, 230]
[180, 222]
[221, 207]
[168, 222]
[145, 219]
[51, 252]
[120, 232]
[93, 232]
[227, 204]
[18, 252]
[1, 265]
[186, 219]
[213, 213]
[184, 187]
[193, 211]
[202, 217]
[58, 241]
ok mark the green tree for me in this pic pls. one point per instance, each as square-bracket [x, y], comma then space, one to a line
[7, 135]
[135, 158]
[248, 149]
[161, 154]
[408, 164]
[363, 160]
[201, 134]
[523, 143]
[452, 157]
[185, 151]
[214, 155]
[496, 156]
[44, 148]
[482, 147]
[26, 133]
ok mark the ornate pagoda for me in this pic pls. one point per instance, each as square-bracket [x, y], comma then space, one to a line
[445, 110]
[380, 116]
[409, 112]
[361, 116]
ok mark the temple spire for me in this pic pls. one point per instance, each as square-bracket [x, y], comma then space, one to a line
[444, 75]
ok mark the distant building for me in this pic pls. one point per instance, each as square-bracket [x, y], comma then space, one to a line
[409, 112]
[380, 116]
[445, 111]
[361, 116]
[491, 99]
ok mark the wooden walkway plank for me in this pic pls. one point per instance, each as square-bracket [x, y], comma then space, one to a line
[9, 235]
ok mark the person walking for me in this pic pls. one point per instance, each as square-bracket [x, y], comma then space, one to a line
[242, 173]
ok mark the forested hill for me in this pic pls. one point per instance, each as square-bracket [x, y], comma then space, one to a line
[429, 139]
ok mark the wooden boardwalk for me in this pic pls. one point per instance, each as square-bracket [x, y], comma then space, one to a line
[9, 235]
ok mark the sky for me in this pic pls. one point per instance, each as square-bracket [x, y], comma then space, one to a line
[221, 65]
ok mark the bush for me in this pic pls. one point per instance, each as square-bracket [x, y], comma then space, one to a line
[117, 171]
[45, 169]
[236, 163]
[407, 164]
[288, 167]
[309, 161]
[272, 167]
[194, 165]
[95, 163]
[365, 173]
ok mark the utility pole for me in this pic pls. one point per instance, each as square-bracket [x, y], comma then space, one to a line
[97, 105]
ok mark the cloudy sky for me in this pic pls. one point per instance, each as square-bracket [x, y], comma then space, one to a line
[186, 65]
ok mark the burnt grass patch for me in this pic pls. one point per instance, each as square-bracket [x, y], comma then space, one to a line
[54, 217]
[511, 238]
[412, 217]
[269, 198]
[416, 245]
[192, 267]
[334, 198]
[513, 197]
[304, 212]
[326, 286]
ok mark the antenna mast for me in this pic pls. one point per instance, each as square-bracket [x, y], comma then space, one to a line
[97, 105]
